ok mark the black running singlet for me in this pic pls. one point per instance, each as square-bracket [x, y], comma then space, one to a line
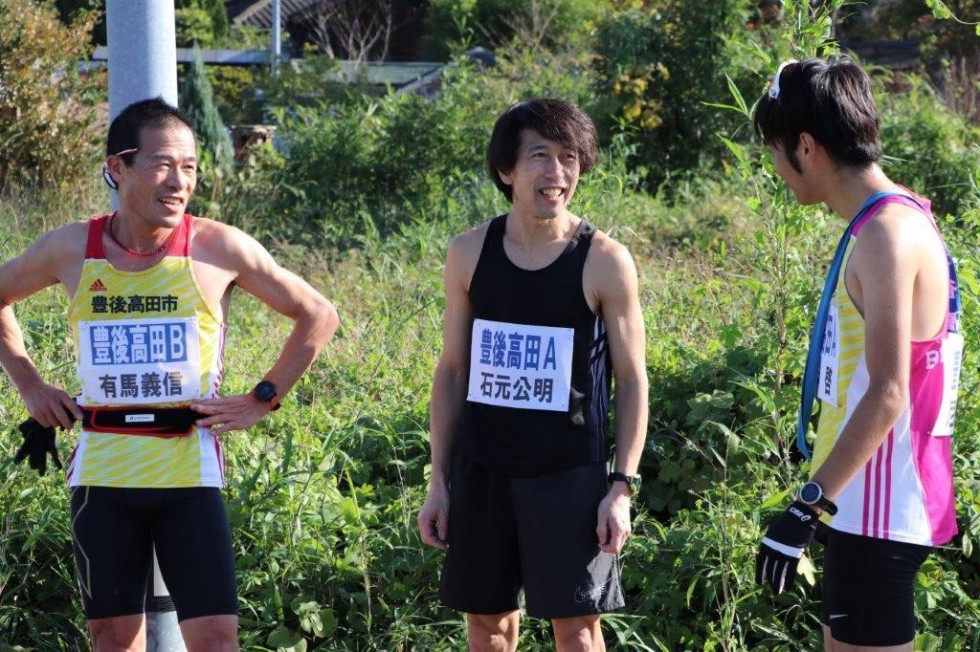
[540, 373]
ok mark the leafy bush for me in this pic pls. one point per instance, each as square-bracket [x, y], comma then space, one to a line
[495, 24]
[657, 67]
[69, 10]
[45, 105]
[197, 101]
[917, 20]
[322, 495]
[234, 93]
[929, 148]
[374, 163]
[203, 23]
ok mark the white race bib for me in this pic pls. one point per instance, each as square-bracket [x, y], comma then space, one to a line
[139, 361]
[952, 357]
[520, 366]
[830, 358]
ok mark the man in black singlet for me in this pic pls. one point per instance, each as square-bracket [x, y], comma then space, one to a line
[542, 311]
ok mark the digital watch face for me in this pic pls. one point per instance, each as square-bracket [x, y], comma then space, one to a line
[810, 493]
[265, 391]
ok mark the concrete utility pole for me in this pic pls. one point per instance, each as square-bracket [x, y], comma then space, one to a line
[276, 35]
[142, 65]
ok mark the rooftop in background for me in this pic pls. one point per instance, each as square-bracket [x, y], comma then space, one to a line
[258, 13]
[397, 74]
[403, 76]
[211, 57]
[299, 20]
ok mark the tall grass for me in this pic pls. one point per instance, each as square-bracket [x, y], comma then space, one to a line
[322, 494]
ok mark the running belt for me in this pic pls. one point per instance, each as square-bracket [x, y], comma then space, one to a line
[810, 373]
[133, 420]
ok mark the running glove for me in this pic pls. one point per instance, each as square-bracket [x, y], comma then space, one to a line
[780, 551]
[38, 443]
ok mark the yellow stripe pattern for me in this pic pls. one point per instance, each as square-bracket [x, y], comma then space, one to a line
[850, 352]
[135, 461]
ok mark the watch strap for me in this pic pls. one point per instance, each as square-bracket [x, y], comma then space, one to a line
[631, 481]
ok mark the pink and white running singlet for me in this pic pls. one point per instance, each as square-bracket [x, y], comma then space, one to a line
[905, 491]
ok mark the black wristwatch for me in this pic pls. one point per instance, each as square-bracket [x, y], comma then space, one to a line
[812, 494]
[267, 393]
[632, 481]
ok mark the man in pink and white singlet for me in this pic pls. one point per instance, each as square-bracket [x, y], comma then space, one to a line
[887, 377]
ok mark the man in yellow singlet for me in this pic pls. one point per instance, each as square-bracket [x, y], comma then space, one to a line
[149, 288]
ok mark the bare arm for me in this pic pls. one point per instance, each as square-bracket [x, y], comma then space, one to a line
[314, 322]
[884, 264]
[449, 387]
[611, 279]
[55, 257]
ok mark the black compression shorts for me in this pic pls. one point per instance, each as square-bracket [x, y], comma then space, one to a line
[115, 530]
[538, 533]
[868, 589]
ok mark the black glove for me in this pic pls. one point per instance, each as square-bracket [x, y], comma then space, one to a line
[780, 551]
[822, 534]
[38, 442]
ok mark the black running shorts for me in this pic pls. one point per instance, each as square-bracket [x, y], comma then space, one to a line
[115, 530]
[868, 589]
[538, 533]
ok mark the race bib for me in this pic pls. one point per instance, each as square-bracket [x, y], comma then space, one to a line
[139, 361]
[520, 366]
[830, 358]
[952, 357]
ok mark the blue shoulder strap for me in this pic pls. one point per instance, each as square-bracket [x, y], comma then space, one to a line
[820, 326]
[954, 299]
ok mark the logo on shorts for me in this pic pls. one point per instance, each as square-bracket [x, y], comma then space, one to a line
[592, 595]
[836, 616]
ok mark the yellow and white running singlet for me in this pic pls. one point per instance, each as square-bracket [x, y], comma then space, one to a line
[145, 339]
[905, 491]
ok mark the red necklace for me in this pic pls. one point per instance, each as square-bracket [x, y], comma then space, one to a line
[142, 254]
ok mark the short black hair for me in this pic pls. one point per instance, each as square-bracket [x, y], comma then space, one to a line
[829, 99]
[556, 120]
[124, 132]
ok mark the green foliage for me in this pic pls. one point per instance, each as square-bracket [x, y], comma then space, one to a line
[556, 25]
[929, 148]
[322, 495]
[244, 195]
[361, 197]
[367, 164]
[943, 28]
[194, 27]
[197, 102]
[309, 81]
[234, 92]
[657, 67]
[203, 23]
[352, 164]
[69, 10]
[664, 66]
[45, 105]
